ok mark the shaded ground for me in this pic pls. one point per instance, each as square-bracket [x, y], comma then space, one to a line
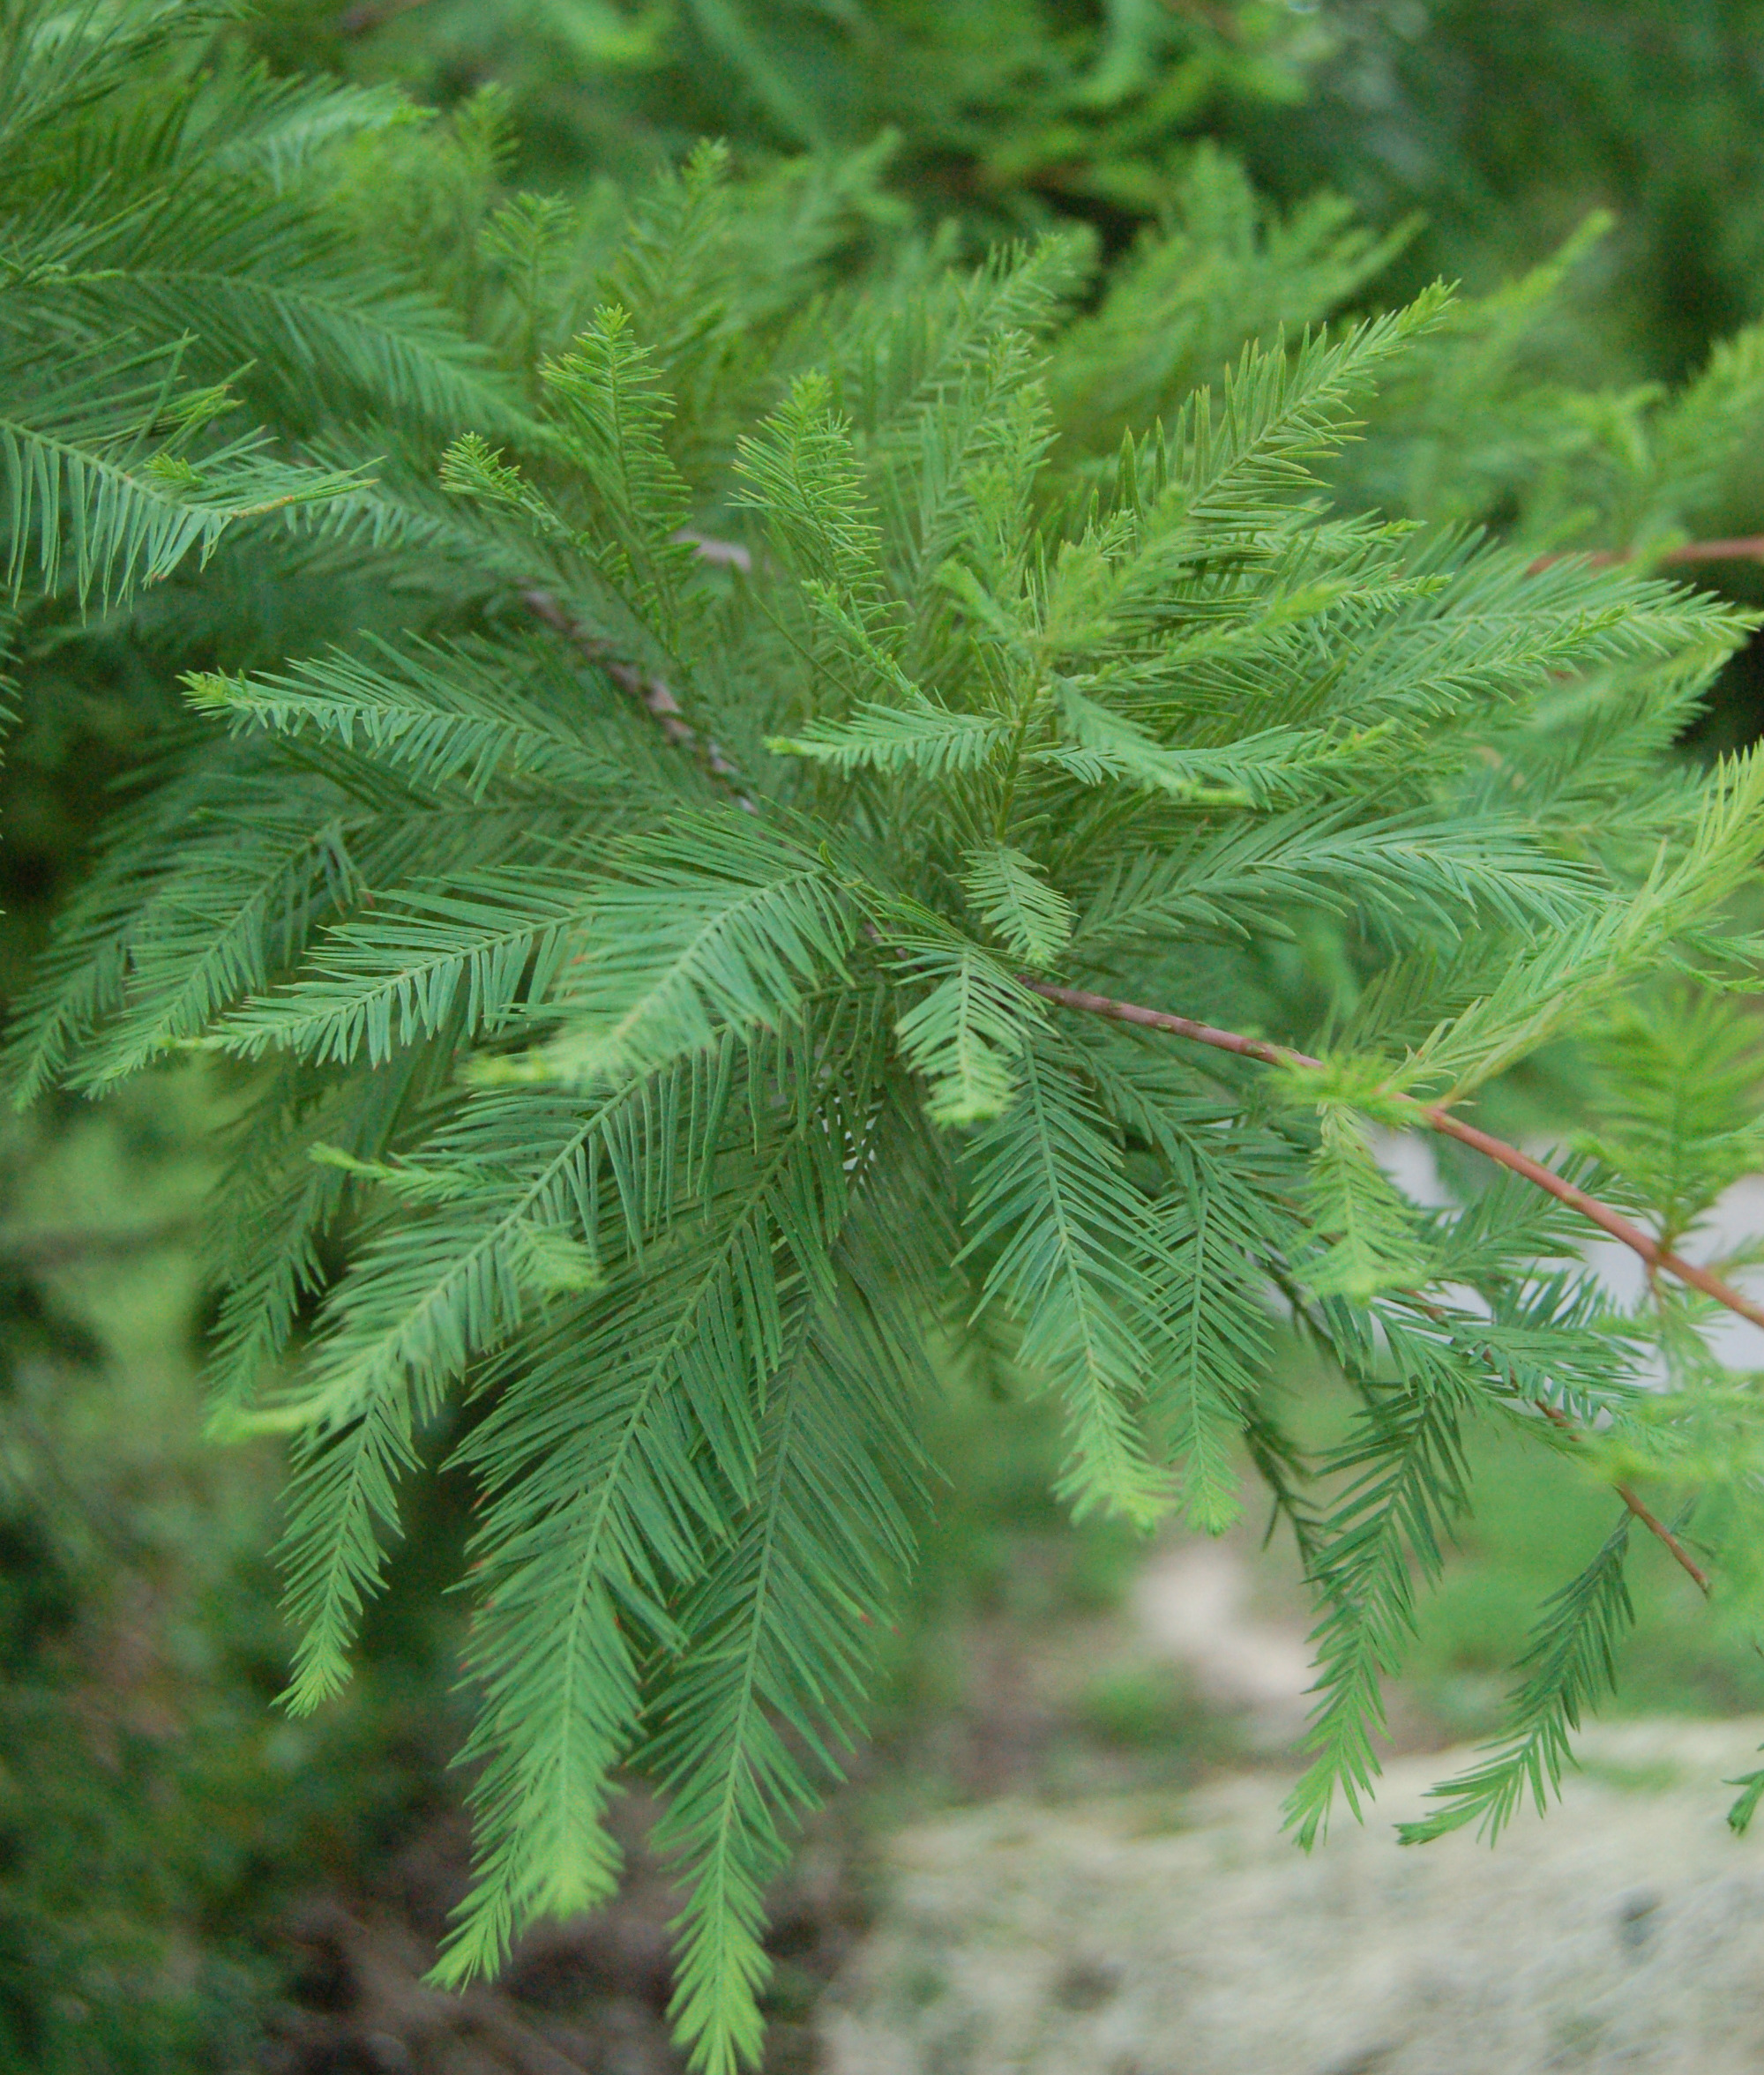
[1080, 1701]
[1180, 1683]
[587, 1996]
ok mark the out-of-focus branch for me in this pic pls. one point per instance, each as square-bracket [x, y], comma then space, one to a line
[1220, 20]
[42, 1252]
[1751, 548]
[371, 14]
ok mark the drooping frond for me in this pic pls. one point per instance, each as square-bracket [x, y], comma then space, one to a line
[767, 1686]
[1410, 1481]
[967, 1031]
[1070, 1240]
[441, 717]
[1370, 1243]
[1572, 1665]
[676, 948]
[425, 1301]
[402, 970]
[603, 1504]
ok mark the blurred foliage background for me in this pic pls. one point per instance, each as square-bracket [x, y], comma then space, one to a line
[170, 1845]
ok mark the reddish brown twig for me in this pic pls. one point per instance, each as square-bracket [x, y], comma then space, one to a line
[1651, 1521]
[372, 14]
[46, 1252]
[650, 691]
[1219, 19]
[1749, 549]
[1439, 1119]
[1657, 1527]
[1435, 1117]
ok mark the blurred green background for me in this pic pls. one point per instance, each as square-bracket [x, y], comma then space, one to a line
[189, 1881]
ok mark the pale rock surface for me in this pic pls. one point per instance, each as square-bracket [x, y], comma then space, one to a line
[1625, 1933]
[1190, 1606]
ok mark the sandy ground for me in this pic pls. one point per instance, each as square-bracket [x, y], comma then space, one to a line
[1186, 1935]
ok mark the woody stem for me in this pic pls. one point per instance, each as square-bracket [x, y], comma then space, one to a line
[1435, 1117]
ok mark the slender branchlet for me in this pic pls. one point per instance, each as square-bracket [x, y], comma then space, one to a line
[1434, 1117]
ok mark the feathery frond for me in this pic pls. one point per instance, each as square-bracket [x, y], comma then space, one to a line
[1573, 1661]
[647, 943]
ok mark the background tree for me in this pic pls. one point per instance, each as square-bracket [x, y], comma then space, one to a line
[1004, 111]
